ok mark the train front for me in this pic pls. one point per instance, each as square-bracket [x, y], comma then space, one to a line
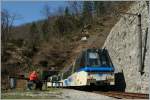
[98, 67]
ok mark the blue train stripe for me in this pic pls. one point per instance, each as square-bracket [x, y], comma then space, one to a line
[100, 68]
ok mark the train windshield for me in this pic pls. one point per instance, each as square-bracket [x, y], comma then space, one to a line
[93, 59]
[98, 58]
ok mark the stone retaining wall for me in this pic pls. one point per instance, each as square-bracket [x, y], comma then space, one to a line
[122, 44]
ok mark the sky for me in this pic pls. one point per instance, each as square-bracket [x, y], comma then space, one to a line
[29, 11]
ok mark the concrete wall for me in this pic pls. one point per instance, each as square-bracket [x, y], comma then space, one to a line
[122, 44]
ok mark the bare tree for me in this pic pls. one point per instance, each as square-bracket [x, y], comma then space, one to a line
[7, 21]
[60, 11]
[46, 28]
[46, 11]
[76, 7]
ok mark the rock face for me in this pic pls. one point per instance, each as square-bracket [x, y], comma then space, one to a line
[122, 44]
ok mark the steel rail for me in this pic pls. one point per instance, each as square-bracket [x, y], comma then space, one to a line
[125, 95]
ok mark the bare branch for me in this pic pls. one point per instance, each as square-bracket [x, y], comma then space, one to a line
[46, 11]
[75, 7]
[7, 20]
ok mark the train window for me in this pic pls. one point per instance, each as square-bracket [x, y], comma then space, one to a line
[82, 63]
[93, 55]
[104, 59]
[93, 59]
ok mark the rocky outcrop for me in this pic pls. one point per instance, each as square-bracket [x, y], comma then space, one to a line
[122, 44]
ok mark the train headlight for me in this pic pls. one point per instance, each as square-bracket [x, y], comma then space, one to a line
[109, 77]
[90, 76]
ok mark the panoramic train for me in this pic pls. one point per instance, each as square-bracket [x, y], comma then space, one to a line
[92, 67]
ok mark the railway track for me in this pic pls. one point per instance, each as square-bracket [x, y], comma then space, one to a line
[126, 95]
[114, 94]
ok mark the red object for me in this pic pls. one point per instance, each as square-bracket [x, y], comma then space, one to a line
[33, 76]
[81, 64]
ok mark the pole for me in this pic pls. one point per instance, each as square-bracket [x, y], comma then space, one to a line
[140, 44]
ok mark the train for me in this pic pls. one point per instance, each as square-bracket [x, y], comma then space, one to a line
[93, 67]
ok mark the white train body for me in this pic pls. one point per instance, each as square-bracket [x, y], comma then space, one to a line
[83, 78]
[97, 70]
